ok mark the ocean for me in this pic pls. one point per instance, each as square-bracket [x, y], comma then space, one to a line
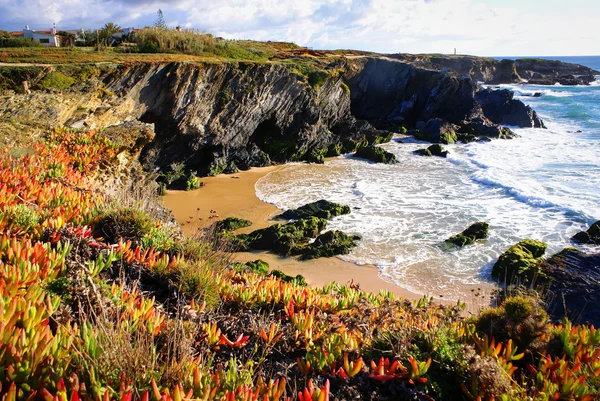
[543, 185]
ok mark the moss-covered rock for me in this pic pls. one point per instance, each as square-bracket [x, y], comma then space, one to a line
[433, 150]
[317, 155]
[231, 224]
[591, 236]
[257, 266]
[521, 261]
[328, 244]
[476, 231]
[422, 152]
[376, 154]
[298, 280]
[335, 149]
[321, 208]
[282, 238]
[436, 130]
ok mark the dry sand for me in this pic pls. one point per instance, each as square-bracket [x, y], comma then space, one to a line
[235, 196]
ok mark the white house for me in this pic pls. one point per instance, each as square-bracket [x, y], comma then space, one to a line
[47, 38]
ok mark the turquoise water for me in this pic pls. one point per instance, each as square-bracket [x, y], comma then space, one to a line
[544, 185]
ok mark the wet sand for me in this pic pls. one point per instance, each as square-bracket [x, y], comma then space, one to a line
[235, 196]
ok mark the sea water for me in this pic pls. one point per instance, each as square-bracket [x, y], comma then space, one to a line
[543, 185]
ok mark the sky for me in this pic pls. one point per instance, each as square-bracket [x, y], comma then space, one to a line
[477, 27]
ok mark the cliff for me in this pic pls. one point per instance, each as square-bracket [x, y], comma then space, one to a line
[215, 117]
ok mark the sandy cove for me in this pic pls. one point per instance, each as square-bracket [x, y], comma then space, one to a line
[235, 196]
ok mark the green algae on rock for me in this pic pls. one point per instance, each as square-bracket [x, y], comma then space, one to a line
[328, 244]
[321, 208]
[433, 150]
[476, 231]
[521, 261]
[231, 224]
[376, 154]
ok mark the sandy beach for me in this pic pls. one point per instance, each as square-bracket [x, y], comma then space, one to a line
[234, 196]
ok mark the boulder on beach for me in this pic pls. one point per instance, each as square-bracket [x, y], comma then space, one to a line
[321, 208]
[433, 150]
[294, 239]
[591, 236]
[476, 231]
[282, 238]
[376, 154]
[436, 130]
[328, 244]
[521, 262]
[231, 224]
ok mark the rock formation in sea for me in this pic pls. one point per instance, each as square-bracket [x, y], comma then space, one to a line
[490, 71]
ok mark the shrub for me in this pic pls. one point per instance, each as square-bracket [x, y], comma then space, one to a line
[129, 223]
[57, 80]
[197, 281]
[521, 318]
[18, 42]
[20, 217]
[193, 183]
[159, 239]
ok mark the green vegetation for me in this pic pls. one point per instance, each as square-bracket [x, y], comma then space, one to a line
[193, 183]
[231, 224]
[89, 316]
[57, 80]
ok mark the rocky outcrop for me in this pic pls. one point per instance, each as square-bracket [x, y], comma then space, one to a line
[491, 71]
[475, 232]
[520, 262]
[433, 150]
[591, 236]
[375, 154]
[549, 72]
[215, 116]
[389, 90]
[321, 208]
[436, 130]
[500, 107]
[575, 286]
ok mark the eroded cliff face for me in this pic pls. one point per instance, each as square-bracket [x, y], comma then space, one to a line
[217, 117]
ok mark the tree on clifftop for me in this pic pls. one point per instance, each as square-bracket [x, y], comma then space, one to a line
[160, 20]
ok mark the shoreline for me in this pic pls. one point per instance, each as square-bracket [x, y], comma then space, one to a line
[234, 195]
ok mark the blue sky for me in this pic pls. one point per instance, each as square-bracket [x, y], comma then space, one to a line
[480, 27]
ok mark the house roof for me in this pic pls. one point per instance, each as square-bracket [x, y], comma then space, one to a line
[17, 33]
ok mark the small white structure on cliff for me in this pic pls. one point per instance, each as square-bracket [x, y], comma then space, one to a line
[49, 38]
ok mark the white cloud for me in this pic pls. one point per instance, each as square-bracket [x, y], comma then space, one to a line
[483, 27]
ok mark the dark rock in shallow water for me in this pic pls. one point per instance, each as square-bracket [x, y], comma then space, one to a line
[501, 108]
[376, 154]
[476, 231]
[321, 208]
[591, 236]
[433, 150]
[436, 130]
[575, 286]
[520, 262]
[328, 244]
